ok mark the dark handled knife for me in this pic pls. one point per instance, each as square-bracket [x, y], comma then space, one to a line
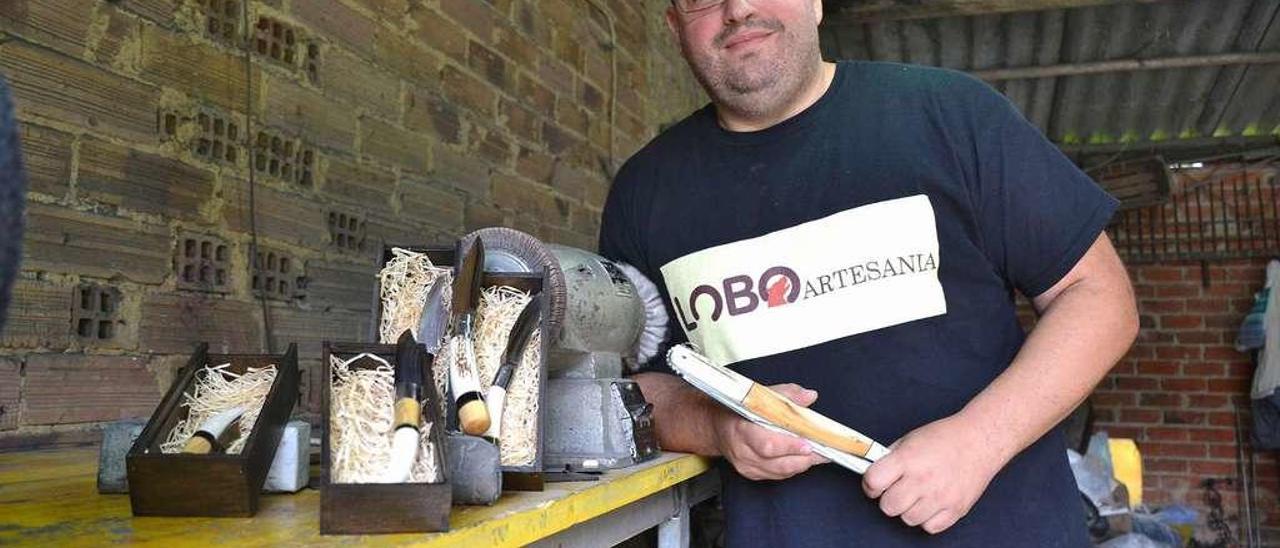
[407, 408]
[521, 332]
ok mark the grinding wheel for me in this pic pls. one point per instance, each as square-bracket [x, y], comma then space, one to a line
[509, 250]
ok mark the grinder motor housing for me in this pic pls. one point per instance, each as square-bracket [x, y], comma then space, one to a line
[595, 419]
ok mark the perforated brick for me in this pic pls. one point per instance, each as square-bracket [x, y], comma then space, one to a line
[279, 276]
[216, 137]
[95, 314]
[222, 19]
[312, 62]
[203, 263]
[347, 232]
[276, 40]
[286, 158]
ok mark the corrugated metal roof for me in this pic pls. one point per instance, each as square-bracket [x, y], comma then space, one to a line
[1138, 106]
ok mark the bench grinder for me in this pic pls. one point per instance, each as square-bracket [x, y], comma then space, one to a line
[604, 316]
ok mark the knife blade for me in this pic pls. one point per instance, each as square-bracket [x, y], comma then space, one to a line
[466, 288]
[434, 319]
[473, 415]
[521, 332]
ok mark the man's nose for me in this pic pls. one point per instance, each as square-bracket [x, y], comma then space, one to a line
[737, 11]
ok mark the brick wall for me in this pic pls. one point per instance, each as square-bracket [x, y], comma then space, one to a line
[364, 122]
[1183, 385]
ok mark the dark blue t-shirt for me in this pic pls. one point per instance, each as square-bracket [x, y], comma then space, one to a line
[868, 248]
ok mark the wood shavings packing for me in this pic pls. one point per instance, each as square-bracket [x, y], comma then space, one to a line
[360, 426]
[217, 389]
[496, 314]
[404, 283]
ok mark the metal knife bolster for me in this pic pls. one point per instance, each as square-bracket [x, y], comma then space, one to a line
[722, 380]
[466, 326]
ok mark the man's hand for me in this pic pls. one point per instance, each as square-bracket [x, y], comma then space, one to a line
[933, 475]
[761, 454]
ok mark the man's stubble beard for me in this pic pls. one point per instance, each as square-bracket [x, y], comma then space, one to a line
[760, 87]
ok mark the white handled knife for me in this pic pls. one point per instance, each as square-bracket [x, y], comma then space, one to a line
[761, 405]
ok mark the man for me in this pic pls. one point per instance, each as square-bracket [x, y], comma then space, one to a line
[11, 195]
[859, 229]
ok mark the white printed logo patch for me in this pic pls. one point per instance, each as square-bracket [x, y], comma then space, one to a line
[859, 270]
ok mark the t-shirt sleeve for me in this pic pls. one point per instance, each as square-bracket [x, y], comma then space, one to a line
[1037, 211]
[622, 237]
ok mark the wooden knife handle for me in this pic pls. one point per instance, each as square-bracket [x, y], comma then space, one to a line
[805, 423]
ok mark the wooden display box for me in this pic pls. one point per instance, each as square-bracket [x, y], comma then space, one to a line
[514, 478]
[368, 508]
[530, 477]
[217, 484]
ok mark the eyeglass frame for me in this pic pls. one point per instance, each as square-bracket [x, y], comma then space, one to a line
[676, 5]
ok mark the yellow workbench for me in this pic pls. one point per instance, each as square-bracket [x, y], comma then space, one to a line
[49, 498]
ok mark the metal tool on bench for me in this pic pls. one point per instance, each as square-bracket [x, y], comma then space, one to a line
[761, 405]
[594, 418]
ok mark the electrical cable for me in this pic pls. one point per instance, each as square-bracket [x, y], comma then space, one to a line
[247, 44]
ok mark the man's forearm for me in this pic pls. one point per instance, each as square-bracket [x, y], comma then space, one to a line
[682, 414]
[1083, 331]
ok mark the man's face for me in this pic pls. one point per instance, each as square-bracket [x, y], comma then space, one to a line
[751, 54]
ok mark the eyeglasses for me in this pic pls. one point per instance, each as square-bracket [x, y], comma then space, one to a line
[694, 6]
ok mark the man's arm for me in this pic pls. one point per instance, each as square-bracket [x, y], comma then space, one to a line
[1088, 320]
[689, 421]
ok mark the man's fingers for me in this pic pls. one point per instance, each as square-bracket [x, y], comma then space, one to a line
[897, 501]
[802, 396]
[881, 475]
[919, 512]
[940, 522]
[772, 445]
[775, 469]
[769, 444]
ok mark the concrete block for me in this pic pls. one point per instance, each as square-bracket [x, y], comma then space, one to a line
[438, 32]
[63, 25]
[461, 171]
[291, 467]
[140, 181]
[431, 113]
[310, 328]
[347, 286]
[46, 155]
[359, 83]
[195, 68]
[10, 392]
[394, 146]
[338, 22]
[55, 86]
[64, 240]
[282, 216]
[359, 183]
[117, 438]
[518, 195]
[431, 202]
[317, 119]
[71, 388]
[174, 323]
[468, 91]
[39, 316]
